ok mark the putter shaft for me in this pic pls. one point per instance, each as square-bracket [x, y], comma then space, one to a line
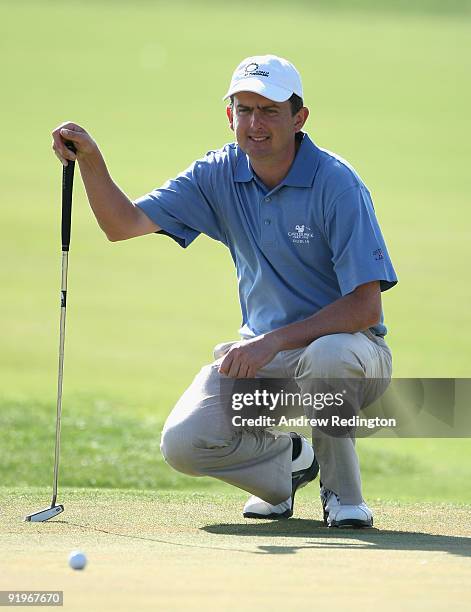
[65, 263]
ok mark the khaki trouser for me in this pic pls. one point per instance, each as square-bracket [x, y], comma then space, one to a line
[200, 439]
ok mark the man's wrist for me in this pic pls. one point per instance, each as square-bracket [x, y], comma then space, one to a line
[294, 336]
[276, 339]
[92, 160]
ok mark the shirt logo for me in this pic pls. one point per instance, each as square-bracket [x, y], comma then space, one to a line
[301, 235]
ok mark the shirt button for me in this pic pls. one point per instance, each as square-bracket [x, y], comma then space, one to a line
[267, 221]
[267, 199]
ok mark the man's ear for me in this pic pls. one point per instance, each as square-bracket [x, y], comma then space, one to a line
[301, 118]
[230, 116]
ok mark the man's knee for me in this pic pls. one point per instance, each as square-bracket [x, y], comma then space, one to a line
[330, 356]
[178, 451]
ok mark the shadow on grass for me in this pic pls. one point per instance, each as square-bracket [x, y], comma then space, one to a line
[315, 533]
[371, 539]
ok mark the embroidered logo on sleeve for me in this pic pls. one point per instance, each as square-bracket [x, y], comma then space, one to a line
[378, 254]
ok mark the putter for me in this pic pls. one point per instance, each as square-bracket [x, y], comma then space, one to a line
[67, 184]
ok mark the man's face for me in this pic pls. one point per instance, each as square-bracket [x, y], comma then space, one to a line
[264, 129]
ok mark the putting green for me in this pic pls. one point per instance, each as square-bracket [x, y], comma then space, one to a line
[180, 551]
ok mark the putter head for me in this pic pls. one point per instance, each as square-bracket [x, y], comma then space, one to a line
[45, 515]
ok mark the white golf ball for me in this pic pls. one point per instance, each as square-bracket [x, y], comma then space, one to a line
[77, 560]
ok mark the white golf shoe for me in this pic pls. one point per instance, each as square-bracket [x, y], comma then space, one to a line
[343, 515]
[304, 469]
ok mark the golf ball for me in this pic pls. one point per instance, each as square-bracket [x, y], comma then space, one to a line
[77, 560]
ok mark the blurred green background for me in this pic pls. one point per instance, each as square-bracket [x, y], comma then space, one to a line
[388, 87]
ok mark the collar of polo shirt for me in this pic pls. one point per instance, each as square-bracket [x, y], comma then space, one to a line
[301, 173]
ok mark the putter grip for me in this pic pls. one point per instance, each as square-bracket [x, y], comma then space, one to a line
[67, 184]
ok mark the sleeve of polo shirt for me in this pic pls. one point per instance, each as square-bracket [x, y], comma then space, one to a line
[184, 207]
[359, 253]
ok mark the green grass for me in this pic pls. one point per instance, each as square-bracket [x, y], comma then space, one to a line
[187, 551]
[207, 511]
[105, 445]
[388, 89]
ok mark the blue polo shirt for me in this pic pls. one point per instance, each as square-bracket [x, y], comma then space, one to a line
[297, 247]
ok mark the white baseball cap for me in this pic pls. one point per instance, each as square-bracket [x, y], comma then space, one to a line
[268, 75]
